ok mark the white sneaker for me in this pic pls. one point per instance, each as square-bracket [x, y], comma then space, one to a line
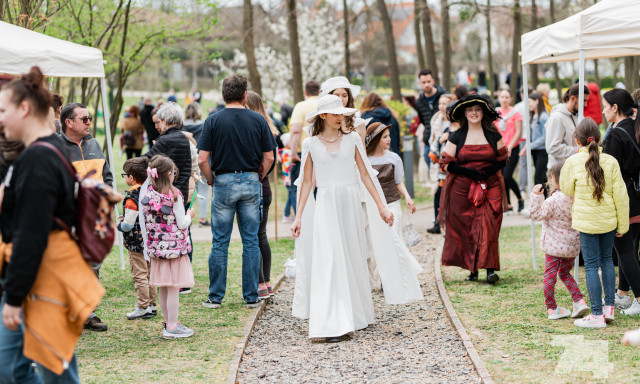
[622, 302]
[140, 313]
[525, 212]
[609, 313]
[591, 321]
[633, 310]
[559, 313]
[286, 219]
[579, 310]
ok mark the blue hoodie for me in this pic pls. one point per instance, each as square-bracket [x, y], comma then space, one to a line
[384, 116]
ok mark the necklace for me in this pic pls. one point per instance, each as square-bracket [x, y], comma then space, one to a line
[330, 141]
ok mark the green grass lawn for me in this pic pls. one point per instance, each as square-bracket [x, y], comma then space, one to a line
[134, 351]
[508, 323]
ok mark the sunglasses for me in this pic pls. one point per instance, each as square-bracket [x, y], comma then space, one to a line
[85, 120]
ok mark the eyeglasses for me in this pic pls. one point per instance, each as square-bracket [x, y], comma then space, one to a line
[124, 174]
[85, 120]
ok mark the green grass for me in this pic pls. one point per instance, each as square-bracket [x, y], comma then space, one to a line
[133, 351]
[508, 322]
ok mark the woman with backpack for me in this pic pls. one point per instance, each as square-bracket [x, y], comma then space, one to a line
[622, 143]
[43, 273]
[132, 133]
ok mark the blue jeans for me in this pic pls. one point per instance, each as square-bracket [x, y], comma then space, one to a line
[291, 201]
[233, 193]
[596, 251]
[17, 369]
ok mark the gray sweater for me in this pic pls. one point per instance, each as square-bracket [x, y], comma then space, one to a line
[559, 140]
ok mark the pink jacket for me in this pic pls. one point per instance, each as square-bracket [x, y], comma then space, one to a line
[557, 238]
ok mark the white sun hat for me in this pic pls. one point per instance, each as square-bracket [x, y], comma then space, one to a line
[338, 82]
[330, 104]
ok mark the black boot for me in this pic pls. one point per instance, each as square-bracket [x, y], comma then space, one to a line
[473, 276]
[492, 276]
[435, 229]
[520, 205]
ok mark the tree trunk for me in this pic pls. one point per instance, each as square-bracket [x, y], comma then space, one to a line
[418, 33]
[515, 54]
[490, 80]
[429, 44]
[391, 50]
[534, 26]
[97, 106]
[249, 49]
[294, 48]
[347, 56]
[366, 53]
[556, 70]
[446, 45]
[120, 78]
[596, 72]
[628, 72]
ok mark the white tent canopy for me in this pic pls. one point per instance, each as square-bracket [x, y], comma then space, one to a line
[21, 48]
[609, 28]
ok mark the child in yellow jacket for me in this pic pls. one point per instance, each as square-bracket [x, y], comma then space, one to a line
[600, 212]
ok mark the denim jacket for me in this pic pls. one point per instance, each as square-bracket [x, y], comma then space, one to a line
[538, 133]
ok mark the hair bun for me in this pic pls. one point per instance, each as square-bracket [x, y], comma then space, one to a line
[34, 79]
[635, 105]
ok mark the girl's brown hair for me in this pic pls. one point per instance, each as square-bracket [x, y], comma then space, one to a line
[554, 172]
[254, 103]
[134, 110]
[164, 166]
[588, 135]
[318, 126]
[540, 109]
[348, 120]
[373, 144]
[30, 88]
[372, 101]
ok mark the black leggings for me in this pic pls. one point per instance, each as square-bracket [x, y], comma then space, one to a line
[436, 203]
[263, 242]
[540, 159]
[628, 266]
[509, 182]
[131, 153]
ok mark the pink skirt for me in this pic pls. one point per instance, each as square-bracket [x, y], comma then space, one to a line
[171, 272]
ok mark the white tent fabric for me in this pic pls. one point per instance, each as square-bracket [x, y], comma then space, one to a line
[21, 48]
[609, 28]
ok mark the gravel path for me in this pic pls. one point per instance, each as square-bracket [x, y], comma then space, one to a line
[413, 343]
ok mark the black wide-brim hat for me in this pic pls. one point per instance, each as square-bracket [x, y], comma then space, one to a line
[457, 112]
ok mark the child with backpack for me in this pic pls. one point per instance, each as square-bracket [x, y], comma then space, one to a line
[600, 212]
[168, 244]
[135, 173]
[559, 242]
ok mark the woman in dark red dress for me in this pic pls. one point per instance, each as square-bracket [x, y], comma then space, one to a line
[473, 197]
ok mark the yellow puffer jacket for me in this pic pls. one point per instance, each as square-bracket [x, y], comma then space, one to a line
[589, 216]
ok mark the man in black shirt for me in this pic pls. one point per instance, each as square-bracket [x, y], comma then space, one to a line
[427, 105]
[236, 151]
[146, 117]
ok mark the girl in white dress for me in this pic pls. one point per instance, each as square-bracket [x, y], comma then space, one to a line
[332, 288]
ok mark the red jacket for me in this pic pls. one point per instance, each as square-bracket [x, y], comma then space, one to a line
[594, 104]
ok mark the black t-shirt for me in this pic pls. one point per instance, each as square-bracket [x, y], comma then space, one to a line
[236, 139]
[38, 188]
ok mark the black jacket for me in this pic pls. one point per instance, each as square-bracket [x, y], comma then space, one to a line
[620, 146]
[426, 112]
[175, 145]
[147, 121]
[384, 116]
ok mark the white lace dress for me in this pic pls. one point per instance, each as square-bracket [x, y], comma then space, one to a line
[332, 280]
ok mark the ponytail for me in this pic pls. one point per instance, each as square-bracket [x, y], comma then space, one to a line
[588, 135]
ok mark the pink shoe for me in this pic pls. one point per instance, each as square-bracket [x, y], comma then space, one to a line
[609, 313]
[591, 321]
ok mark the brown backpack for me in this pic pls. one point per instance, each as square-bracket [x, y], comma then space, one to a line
[94, 231]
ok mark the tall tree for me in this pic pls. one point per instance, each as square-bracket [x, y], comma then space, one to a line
[391, 50]
[556, 70]
[490, 84]
[294, 49]
[429, 44]
[534, 26]
[249, 47]
[347, 58]
[515, 53]
[446, 45]
[417, 31]
[596, 71]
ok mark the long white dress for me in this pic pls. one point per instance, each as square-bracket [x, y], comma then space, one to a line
[332, 281]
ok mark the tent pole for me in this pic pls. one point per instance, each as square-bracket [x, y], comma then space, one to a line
[107, 130]
[527, 131]
[576, 272]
